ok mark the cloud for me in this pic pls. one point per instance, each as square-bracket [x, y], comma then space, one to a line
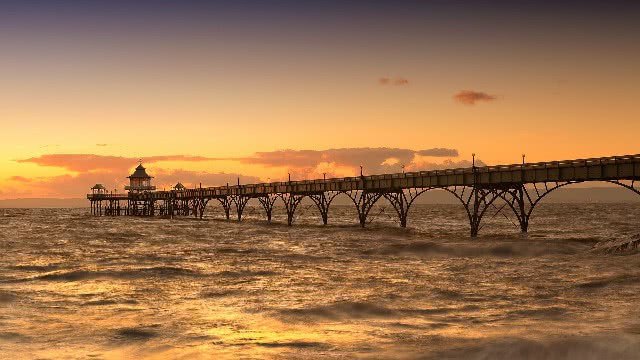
[74, 186]
[92, 162]
[67, 186]
[88, 169]
[21, 179]
[399, 81]
[423, 165]
[372, 159]
[307, 164]
[102, 145]
[438, 152]
[469, 97]
[167, 178]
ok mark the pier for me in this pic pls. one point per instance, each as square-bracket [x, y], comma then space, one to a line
[518, 188]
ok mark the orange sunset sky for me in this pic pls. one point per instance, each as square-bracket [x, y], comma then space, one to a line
[209, 91]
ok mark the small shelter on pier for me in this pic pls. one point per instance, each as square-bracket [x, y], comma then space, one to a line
[98, 189]
[179, 187]
[140, 181]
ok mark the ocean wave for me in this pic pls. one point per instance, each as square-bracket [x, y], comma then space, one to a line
[40, 268]
[479, 249]
[102, 302]
[630, 245]
[362, 310]
[544, 312]
[219, 294]
[227, 250]
[565, 348]
[293, 344]
[136, 334]
[80, 275]
[604, 281]
[7, 297]
[246, 273]
[13, 336]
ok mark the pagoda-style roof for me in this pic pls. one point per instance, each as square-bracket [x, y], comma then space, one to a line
[98, 187]
[140, 173]
[179, 186]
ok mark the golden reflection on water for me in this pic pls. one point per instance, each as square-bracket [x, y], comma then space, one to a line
[111, 289]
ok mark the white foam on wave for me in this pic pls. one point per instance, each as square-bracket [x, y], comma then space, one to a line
[618, 246]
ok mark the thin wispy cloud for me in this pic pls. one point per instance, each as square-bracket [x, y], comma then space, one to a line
[308, 164]
[470, 97]
[376, 160]
[74, 185]
[438, 152]
[93, 162]
[399, 81]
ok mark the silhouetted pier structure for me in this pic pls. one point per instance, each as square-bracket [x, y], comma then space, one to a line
[519, 187]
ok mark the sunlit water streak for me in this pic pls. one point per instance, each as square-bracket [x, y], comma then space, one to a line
[75, 286]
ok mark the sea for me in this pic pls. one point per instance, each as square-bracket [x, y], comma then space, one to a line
[74, 286]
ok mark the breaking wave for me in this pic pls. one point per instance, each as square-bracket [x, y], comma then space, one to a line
[621, 246]
[80, 275]
[563, 348]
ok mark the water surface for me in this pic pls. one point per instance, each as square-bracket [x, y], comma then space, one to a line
[74, 287]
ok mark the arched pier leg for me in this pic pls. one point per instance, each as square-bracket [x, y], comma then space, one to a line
[364, 201]
[629, 185]
[476, 201]
[267, 203]
[291, 202]
[323, 201]
[226, 205]
[400, 204]
[476, 214]
[523, 219]
[522, 200]
[185, 208]
[241, 202]
[195, 206]
[202, 204]
[402, 200]
[152, 208]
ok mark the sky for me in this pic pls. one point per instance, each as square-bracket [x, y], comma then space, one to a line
[212, 91]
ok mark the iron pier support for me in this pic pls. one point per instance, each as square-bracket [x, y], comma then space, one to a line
[240, 202]
[364, 201]
[291, 202]
[267, 202]
[226, 205]
[323, 201]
